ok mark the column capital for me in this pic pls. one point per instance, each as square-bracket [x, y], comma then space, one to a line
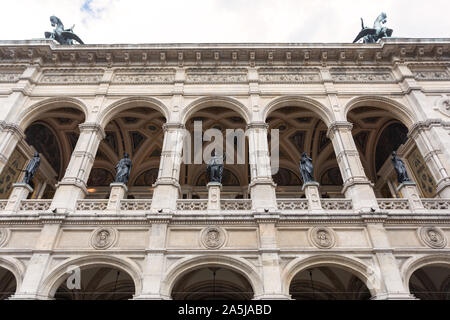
[92, 126]
[172, 125]
[336, 125]
[257, 125]
[12, 127]
[427, 124]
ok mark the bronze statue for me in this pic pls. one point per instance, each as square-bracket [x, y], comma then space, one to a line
[215, 168]
[123, 169]
[399, 166]
[61, 35]
[372, 35]
[306, 168]
[31, 168]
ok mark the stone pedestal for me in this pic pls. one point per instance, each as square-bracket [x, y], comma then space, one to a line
[312, 194]
[262, 193]
[118, 192]
[20, 192]
[408, 190]
[214, 195]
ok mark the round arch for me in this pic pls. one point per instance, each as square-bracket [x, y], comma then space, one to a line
[115, 108]
[15, 267]
[299, 101]
[27, 116]
[186, 265]
[415, 264]
[215, 101]
[353, 266]
[56, 277]
[403, 114]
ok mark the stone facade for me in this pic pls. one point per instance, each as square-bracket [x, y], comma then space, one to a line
[270, 235]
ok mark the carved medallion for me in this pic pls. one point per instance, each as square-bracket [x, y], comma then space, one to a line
[4, 236]
[433, 237]
[443, 105]
[103, 238]
[213, 237]
[322, 237]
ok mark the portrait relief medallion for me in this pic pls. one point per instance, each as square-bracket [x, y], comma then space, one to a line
[213, 237]
[103, 238]
[322, 237]
[433, 237]
[4, 236]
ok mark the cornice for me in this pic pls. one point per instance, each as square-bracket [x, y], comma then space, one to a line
[427, 124]
[388, 51]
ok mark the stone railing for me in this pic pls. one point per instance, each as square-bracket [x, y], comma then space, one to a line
[393, 204]
[92, 205]
[436, 204]
[35, 205]
[135, 204]
[336, 204]
[235, 204]
[3, 204]
[192, 205]
[292, 204]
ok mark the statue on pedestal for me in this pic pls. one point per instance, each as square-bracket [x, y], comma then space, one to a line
[399, 166]
[215, 168]
[306, 168]
[31, 168]
[123, 169]
[61, 35]
[372, 35]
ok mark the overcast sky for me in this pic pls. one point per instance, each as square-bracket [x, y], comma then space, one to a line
[178, 21]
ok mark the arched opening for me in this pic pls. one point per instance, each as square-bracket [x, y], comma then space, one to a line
[97, 282]
[212, 283]
[378, 132]
[236, 173]
[8, 283]
[431, 282]
[53, 132]
[138, 131]
[328, 283]
[302, 130]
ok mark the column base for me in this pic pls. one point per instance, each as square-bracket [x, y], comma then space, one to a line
[262, 193]
[408, 190]
[214, 195]
[362, 195]
[165, 196]
[273, 296]
[66, 196]
[394, 296]
[151, 297]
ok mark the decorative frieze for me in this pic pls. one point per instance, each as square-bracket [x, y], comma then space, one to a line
[10, 76]
[216, 75]
[359, 75]
[288, 75]
[144, 76]
[4, 236]
[71, 76]
[431, 75]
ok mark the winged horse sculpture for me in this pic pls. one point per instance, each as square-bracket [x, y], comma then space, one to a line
[61, 35]
[372, 35]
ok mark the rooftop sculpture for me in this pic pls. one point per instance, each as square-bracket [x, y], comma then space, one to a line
[372, 35]
[61, 35]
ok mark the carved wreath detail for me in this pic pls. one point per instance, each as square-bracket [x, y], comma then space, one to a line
[322, 237]
[103, 238]
[4, 236]
[213, 237]
[433, 237]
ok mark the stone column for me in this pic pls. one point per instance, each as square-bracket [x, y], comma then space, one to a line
[270, 260]
[73, 186]
[39, 262]
[356, 185]
[19, 192]
[153, 268]
[214, 195]
[262, 187]
[387, 276]
[10, 135]
[312, 194]
[408, 190]
[167, 187]
[118, 192]
[427, 142]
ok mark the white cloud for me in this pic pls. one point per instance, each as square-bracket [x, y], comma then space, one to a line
[150, 21]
